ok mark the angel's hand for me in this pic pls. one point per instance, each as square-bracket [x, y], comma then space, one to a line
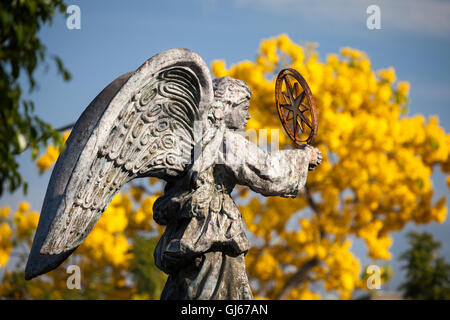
[315, 157]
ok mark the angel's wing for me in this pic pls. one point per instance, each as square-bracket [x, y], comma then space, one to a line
[140, 125]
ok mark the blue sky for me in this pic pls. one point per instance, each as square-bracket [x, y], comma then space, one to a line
[118, 36]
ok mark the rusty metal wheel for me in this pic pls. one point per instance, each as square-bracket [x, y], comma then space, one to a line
[296, 107]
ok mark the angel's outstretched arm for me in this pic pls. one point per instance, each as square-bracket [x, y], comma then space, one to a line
[278, 173]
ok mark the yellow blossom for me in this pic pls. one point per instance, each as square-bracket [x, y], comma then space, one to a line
[4, 212]
[387, 74]
[403, 88]
[5, 243]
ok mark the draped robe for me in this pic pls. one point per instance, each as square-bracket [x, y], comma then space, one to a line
[204, 243]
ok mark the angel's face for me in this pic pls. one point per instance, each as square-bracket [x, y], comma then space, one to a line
[238, 116]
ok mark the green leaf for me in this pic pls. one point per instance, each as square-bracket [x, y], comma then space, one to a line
[22, 51]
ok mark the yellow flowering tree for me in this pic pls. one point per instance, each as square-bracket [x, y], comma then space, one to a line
[375, 178]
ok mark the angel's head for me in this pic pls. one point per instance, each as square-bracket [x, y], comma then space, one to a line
[232, 98]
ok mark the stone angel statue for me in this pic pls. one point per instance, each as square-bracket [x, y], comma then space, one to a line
[170, 120]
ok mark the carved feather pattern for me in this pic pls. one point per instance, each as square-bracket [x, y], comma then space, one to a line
[152, 136]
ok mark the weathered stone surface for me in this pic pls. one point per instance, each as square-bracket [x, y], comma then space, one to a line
[168, 119]
[88, 174]
[204, 243]
[39, 263]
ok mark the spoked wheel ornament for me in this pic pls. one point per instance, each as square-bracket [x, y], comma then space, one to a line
[296, 107]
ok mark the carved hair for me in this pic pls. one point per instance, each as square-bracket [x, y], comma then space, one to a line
[227, 89]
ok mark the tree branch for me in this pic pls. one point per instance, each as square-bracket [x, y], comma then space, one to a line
[69, 126]
[315, 208]
[311, 202]
[301, 275]
[297, 278]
